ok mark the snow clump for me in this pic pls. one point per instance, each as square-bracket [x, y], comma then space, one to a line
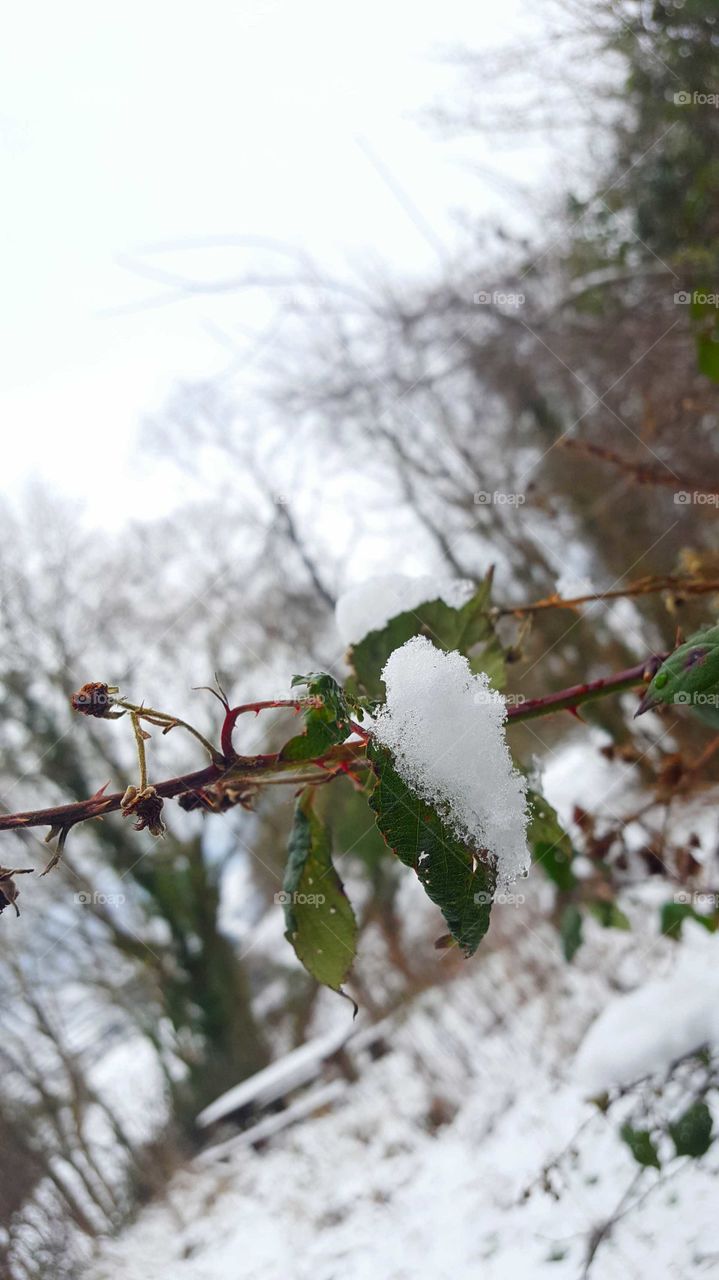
[445, 729]
[371, 605]
[643, 1033]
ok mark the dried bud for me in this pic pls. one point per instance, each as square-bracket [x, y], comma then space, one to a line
[93, 699]
[190, 800]
[8, 889]
[219, 798]
[146, 806]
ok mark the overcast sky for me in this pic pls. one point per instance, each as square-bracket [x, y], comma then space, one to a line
[123, 130]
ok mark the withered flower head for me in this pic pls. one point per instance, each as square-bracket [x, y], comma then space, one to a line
[147, 808]
[93, 699]
[8, 889]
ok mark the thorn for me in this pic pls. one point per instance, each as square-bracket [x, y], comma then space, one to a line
[574, 711]
[647, 703]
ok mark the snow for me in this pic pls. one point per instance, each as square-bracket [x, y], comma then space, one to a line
[276, 1122]
[643, 1033]
[281, 1077]
[445, 728]
[371, 605]
[374, 1188]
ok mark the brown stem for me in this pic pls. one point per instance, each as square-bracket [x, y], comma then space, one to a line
[639, 471]
[645, 586]
[255, 769]
[266, 768]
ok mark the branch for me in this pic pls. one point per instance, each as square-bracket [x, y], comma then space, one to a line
[642, 587]
[250, 769]
[637, 470]
[272, 769]
[569, 699]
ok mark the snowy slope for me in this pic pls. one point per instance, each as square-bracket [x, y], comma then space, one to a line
[420, 1169]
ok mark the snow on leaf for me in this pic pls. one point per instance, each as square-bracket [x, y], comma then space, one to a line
[320, 922]
[449, 625]
[451, 873]
[373, 603]
[445, 729]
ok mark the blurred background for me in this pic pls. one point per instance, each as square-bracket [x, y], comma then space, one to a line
[292, 296]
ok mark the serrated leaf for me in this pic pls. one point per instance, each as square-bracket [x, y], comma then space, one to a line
[641, 1145]
[326, 718]
[448, 628]
[570, 931]
[451, 874]
[320, 922]
[551, 847]
[692, 1132]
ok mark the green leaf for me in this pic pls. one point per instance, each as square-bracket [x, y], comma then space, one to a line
[689, 676]
[673, 915]
[641, 1145]
[320, 921]
[326, 718]
[492, 662]
[570, 931]
[609, 915]
[448, 628]
[551, 846]
[451, 873]
[692, 1132]
[705, 318]
[708, 355]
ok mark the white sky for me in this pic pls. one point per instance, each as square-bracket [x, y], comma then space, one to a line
[155, 123]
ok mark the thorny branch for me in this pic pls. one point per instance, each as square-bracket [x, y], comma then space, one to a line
[231, 778]
[679, 584]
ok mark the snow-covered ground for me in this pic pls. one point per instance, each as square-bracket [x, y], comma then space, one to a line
[431, 1164]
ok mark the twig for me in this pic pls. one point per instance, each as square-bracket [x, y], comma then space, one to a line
[568, 699]
[254, 769]
[637, 470]
[643, 587]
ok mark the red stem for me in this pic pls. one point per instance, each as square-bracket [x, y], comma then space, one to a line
[243, 768]
[233, 714]
[567, 699]
[251, 768]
